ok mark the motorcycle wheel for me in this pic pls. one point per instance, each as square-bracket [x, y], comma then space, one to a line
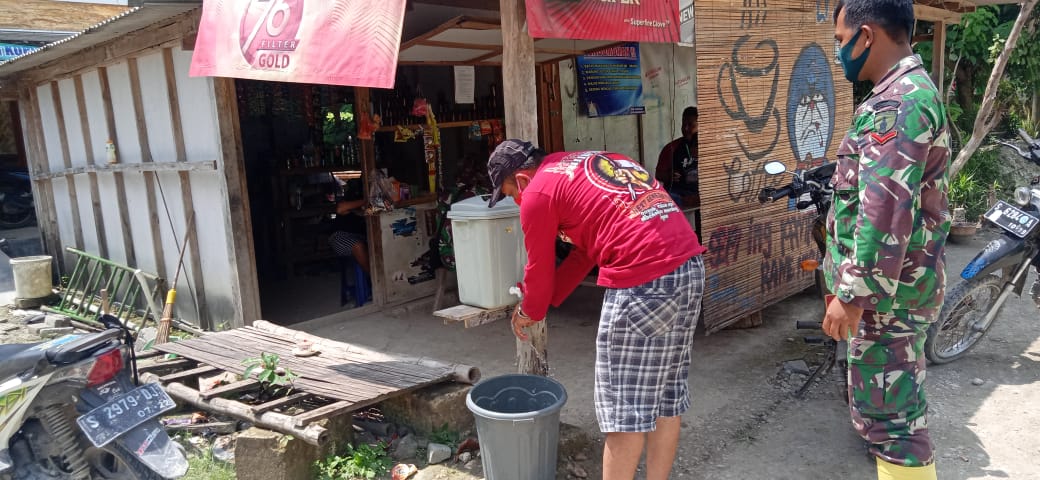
[951, 336]
[116, 463]
[24, 219]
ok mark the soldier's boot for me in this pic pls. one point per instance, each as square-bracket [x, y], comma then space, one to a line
[891, 471]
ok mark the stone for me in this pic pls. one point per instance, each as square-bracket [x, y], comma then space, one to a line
[7, 327]
[429, 409]
[797, 367]
[581, 457]
[437, 453]
[57, 321]
[224, 448]
[471, 465]
[54, 332]
[465, 457]
[36, 327]
[977, 381]
[405, 448]
[265, 455]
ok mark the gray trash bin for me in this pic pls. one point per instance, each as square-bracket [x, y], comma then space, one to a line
[518, 425]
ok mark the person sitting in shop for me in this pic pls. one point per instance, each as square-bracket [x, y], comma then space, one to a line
[677, 163]
[349, 237]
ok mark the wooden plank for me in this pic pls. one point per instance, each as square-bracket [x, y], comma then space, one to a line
[42, 193]
[519, 90]
[188, 205]
[934, 14]
[245, 289]
[532, 356]
[210, 427]
[159, 364]
[375, 242]
[280, 403]
[77, 224]
[939, 56]
[149, 176]
[200, 166]
[122, 206]
[187, 374]
[95, 194]
[234, 387]
[473, 316]
[330, 410]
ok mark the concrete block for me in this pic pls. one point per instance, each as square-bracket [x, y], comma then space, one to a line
[54, 332]
[265, 455]
[430, 408]
[36, 327]
[57, 321]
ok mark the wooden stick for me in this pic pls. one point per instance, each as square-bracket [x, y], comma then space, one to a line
[163, 335]
[279, 422]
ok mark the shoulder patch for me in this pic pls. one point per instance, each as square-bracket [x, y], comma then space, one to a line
[885, 121]
[886, 104]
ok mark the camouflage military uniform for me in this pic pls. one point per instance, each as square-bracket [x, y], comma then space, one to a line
[887, 230]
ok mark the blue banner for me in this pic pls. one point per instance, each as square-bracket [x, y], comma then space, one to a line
[10, 50]
[611, 81]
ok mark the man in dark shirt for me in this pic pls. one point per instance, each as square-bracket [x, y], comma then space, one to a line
[677, 163]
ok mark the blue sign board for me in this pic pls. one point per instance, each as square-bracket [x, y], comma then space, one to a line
[611, 81]
[10, 50]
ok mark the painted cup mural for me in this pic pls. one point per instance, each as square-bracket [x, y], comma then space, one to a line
[767, 94]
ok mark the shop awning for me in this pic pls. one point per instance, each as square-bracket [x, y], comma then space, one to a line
[478, 41]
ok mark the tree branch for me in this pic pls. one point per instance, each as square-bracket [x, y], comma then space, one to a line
[990, 112]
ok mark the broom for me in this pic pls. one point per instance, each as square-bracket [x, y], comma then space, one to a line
[163, 335]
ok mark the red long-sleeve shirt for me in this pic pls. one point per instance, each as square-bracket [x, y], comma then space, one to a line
[615, 214]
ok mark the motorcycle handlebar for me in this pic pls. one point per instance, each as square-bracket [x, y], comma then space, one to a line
[772, 195]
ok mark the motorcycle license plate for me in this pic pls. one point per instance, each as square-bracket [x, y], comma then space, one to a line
[1012, 219]
[124, 412]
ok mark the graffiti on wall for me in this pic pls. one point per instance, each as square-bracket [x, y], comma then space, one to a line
[810, 107]
[775, 241]
[754, 13]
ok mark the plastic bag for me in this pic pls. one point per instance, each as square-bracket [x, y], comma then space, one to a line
[380, 192]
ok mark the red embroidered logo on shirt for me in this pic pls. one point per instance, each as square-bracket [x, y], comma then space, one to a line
[883, 139]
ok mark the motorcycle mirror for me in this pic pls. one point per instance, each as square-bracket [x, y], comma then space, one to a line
[775, 168]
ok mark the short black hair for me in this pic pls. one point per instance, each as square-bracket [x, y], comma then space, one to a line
[895, 17]
[690, 112]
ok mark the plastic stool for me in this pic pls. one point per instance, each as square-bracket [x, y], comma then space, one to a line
[360, 288]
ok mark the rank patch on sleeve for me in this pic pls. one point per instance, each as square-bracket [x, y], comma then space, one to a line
[884, 126]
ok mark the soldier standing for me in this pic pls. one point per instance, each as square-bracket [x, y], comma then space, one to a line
[888, 229]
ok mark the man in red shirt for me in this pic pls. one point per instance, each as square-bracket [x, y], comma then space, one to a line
[618, 217]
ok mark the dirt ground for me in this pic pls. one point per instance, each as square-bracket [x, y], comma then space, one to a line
[745, 424]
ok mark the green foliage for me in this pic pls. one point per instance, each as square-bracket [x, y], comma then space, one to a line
[205, 467]
[446, 436]
[361, 462]
[970, 189]
[268, 367]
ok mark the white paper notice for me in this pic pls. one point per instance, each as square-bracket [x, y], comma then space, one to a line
[465, 82]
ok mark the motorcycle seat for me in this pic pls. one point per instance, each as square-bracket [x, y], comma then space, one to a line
[19, 357]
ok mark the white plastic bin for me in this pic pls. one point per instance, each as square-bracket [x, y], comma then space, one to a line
[32, 276]
[489, 251]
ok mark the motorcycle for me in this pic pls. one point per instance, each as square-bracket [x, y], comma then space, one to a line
[1001, 268]
[16, 200]
[70, 410]
[812, 189]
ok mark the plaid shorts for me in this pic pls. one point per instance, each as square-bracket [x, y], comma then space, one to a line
[643, 350]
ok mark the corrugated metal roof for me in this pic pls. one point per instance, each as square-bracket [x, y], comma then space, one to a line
[130, 21]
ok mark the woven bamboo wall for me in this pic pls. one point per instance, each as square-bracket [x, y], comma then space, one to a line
[768, 89]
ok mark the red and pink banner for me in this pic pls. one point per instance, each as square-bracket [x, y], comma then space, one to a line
[662, 21]
[331, 42]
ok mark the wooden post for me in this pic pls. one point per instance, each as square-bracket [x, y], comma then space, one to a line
[532, 356]
[939, 54]
[519, 87]
[520, 99]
